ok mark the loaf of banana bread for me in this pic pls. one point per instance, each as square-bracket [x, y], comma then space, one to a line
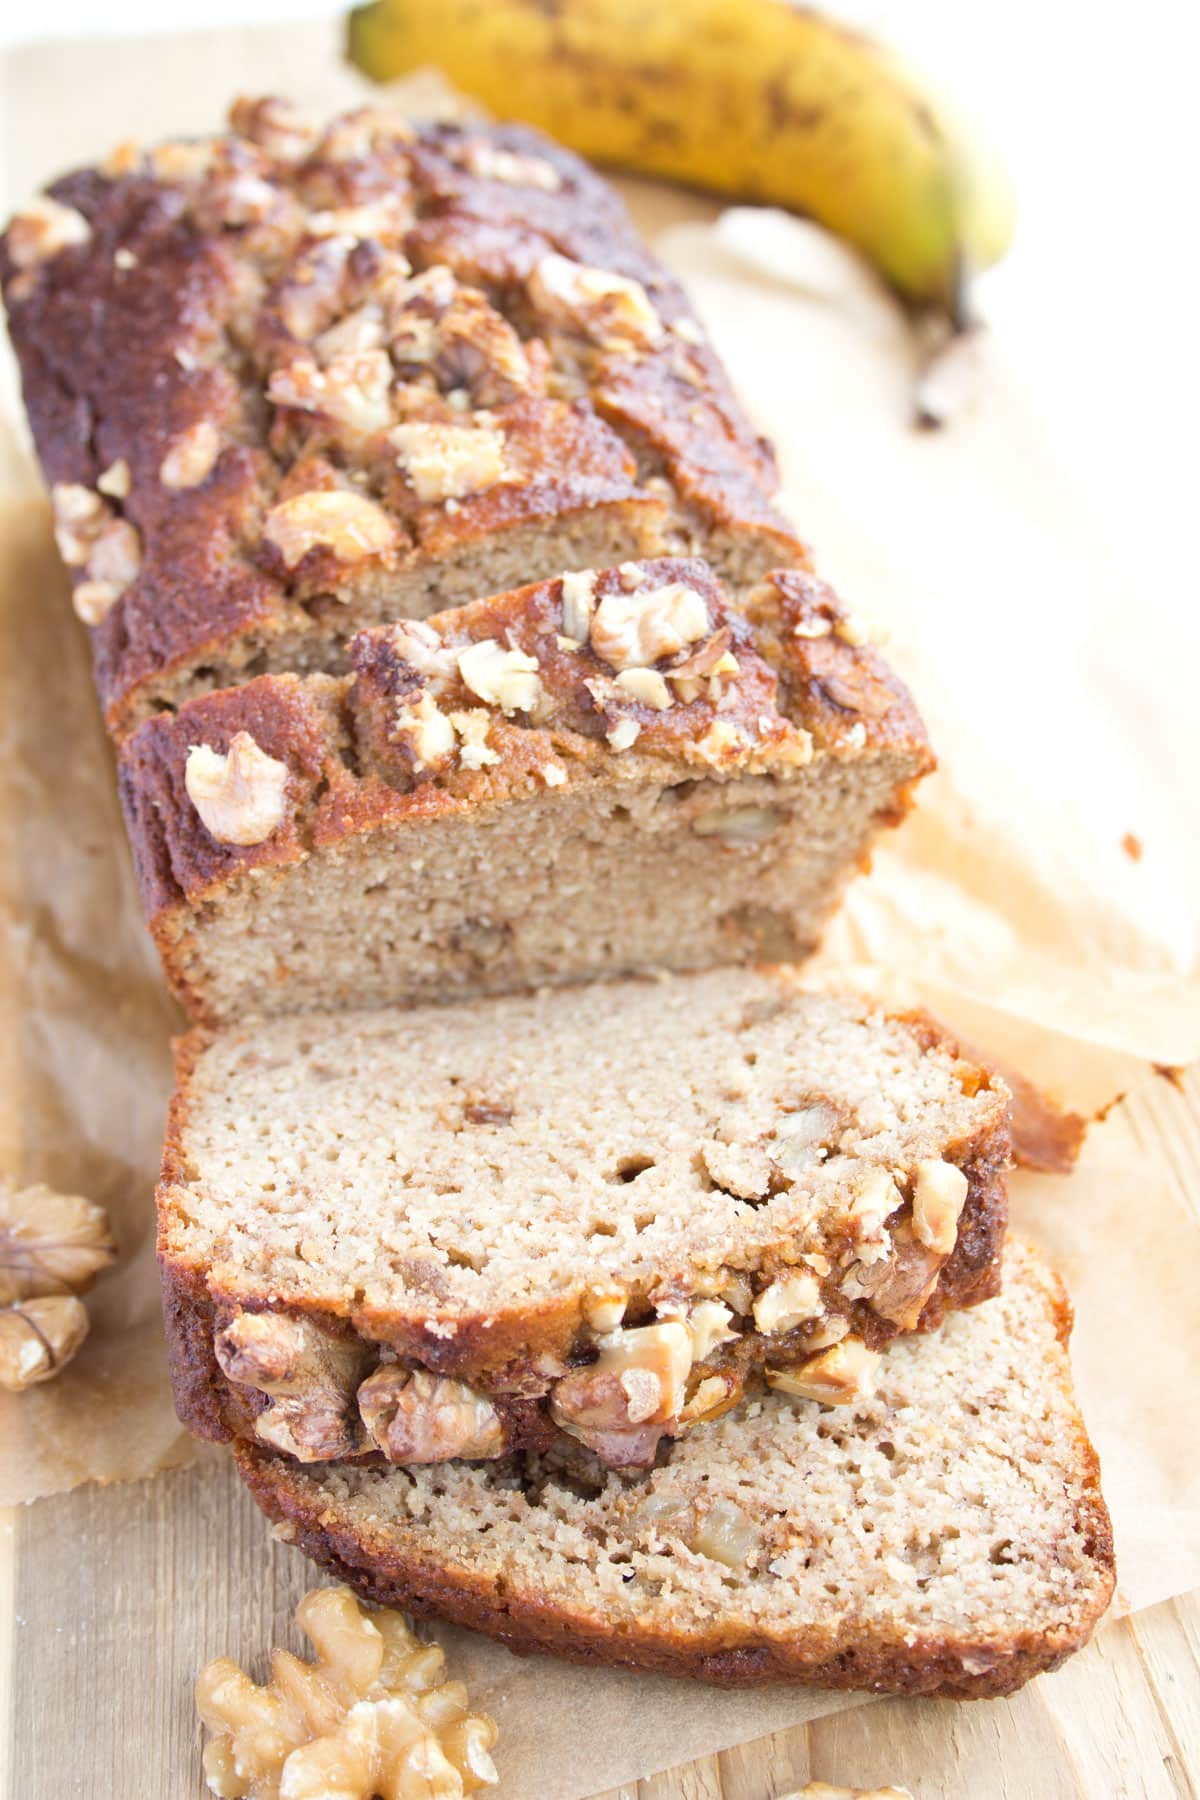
[944, 1535]
[601, 1210]
[601, 774]
[288, 383]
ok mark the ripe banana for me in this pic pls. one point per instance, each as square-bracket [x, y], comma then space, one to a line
[759, 99]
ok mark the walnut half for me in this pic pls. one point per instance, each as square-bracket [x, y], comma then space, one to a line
[372, 1716]
[309, 1376]
[52, 1247]
[37, 1337]
[416, 1417]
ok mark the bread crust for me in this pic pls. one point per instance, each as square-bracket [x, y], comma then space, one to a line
[868, 1659]
[139, 335]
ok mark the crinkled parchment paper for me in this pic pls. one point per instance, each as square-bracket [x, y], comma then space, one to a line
[1009, 902]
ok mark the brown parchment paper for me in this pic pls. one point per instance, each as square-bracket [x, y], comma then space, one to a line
[1007, 903]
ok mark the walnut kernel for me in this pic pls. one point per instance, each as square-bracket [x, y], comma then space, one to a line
[308, 1374]
[508, 679]
[737, 826]
[836, 1376]
[494, 164]
[241, 796]
[416, 1417]
[787, 1302]
[337, 519]
[615, 312]
[191, 458]
[939, 1193]
[578, 603]
[38, 1337]
[633, 630]
[50, 1243]
[373, 1715]
[429, 734]
[42, 228]
[447, 462]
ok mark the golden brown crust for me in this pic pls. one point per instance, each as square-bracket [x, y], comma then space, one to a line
[176, 336]
[871, 1656]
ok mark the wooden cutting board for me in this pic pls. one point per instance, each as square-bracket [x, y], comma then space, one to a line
[110, 1599]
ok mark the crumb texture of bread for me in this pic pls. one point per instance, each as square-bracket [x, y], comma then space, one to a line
[947, 1536]
[602, 774]
[614, 1209]
[288, 382]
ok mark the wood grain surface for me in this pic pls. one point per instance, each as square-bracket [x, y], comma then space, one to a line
[111, 1599]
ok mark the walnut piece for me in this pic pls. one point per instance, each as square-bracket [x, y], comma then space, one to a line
[939, 1193]
[620, 1404]
[416, 1417]
[631, 631]
[241, 796]
[837, 1376]
[42, 228]
[611, 310]
[373, 1715]
[424, 728]
[708, 1322]
[38, 1337]
[802, 1139]
[493, 164]
[309, 1375]
[353, 389]
[335, 519]
[787, 1302]
[508, 679]
[737, 826]
[578, 603]
[50, 1243]
[447, 462]
[191, 458]
[725, 1535]
[646, 686]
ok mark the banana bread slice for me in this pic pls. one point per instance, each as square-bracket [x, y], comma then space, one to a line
[593, 776]
[287, 383]
[945, 1536]
[600, 1210]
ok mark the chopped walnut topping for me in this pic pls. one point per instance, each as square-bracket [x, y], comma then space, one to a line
[415, 1417]
[508, 679]
[191, 458]
[473, 728]
[688, 330]
[417, 643]
[373, 1715]
[837, 1376]
[240, 796]
[722, 742]
[309, 1376]
[447, 462]
[492, 164]
[633, 630]
[737, 826]
[815, 627]
[708, 1321]
[123, 159]
[349, 525]
[604, 1310]
[115, 480]
[274, 125]
[614, 312]
[356, 136]
[646, 686]
[79, 517]
[183, 161]
[38, 1338]
[786, 1303]
[353, 390]
[43, 228]
[429, 734]
[619, 1405]
[578, 603]
[624, 734]
[50, 1243]
[939, 1193]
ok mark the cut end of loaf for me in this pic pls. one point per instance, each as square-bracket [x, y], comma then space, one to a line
[602, 774]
